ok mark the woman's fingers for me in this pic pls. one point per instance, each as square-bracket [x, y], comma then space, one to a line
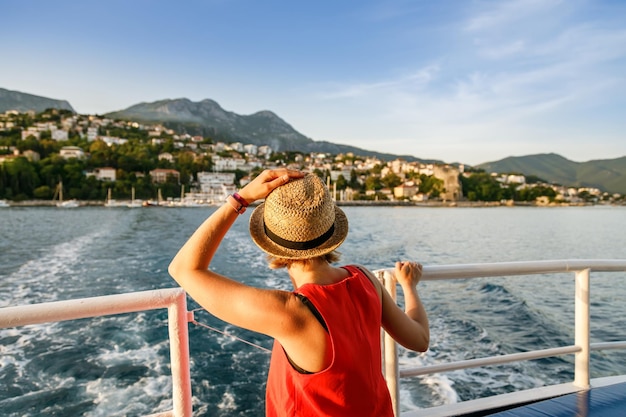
[267, 181]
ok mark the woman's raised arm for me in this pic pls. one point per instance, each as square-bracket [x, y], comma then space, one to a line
[224, 297]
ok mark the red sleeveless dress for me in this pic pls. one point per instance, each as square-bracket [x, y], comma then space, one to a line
[353, 385]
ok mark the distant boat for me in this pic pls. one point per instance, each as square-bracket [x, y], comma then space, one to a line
[4, 203]
[64, 204]
[111, 202]
[134, 203]
[188, 200]
[154, 203]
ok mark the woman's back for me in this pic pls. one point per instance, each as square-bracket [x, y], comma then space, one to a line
[353, 384]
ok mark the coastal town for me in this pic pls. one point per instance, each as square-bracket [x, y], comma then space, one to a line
[58, 156]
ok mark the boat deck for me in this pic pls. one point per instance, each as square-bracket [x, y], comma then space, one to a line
[607, 401]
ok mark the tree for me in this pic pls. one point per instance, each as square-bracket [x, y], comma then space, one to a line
[101, 155]
[391, 180]
[373, 183]
[50, 170]
[341, 183]
[4, 182]
[480, 186]
[430, 185]
[531, 193]
[43, 192]
[22, 178]
[354, 180]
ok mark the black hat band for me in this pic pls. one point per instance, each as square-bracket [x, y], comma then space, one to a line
[308, 244]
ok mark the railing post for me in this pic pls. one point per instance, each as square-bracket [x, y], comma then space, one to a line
[582, 333]
[179, 352]
[392, 372]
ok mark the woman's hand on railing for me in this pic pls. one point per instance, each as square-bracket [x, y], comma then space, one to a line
[408, 274]
[409, 327]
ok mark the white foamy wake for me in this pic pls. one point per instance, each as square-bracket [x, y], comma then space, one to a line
[149, 390]
[441, 389]
[424, 391]
[42, 279]
[111, 399]
[227, 402]
[116, 372]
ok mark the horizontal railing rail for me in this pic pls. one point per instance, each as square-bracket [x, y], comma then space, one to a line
[491, 360]
[174, 299]
[581, 349]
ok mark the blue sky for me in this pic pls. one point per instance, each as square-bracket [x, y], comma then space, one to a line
[459, 81]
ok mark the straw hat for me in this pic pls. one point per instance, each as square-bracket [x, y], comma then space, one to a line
[299, 220]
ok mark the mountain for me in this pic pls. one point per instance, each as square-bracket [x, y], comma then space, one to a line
[23, 102]
[605, 174]
[209, 119]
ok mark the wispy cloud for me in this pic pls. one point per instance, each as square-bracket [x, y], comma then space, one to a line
[512, 73]
[414, 81]
[496, 15]
[390, 9]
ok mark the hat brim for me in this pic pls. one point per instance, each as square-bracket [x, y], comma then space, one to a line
[257, 232]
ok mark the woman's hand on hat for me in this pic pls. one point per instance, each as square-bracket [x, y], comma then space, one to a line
[266, 182]
[408, 273]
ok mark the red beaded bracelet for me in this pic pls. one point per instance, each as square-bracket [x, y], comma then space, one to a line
[240, 200]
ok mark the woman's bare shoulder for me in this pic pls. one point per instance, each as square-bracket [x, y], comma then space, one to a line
[370, 275]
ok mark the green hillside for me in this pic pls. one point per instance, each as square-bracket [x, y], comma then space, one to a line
[607, 174]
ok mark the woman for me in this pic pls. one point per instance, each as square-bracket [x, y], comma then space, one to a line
[326, 358]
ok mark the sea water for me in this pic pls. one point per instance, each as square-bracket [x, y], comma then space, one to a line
[119, 365]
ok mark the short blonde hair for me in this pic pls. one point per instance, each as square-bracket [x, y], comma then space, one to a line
[277, 263]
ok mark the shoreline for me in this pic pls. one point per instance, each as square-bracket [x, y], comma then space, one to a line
[356, 203]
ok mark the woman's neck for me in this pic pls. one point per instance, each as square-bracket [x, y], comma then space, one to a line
[317, 271]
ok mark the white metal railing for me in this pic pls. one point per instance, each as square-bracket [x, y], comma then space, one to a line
[174, 299]
[581, 348]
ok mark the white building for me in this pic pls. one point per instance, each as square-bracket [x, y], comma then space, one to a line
[104, 174]
[237, 146]
[68, 152]
[59, 134]
[219, 147]
[161, 175]
[510, 179]
[427, 169]
[334, 174]
[406, 190]
[166, 156]
[251, 149]
[31, 131]
[265, 151]
[92, 134]
[109, 140]
[228, 164]
[208, 179]
[215, 186]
